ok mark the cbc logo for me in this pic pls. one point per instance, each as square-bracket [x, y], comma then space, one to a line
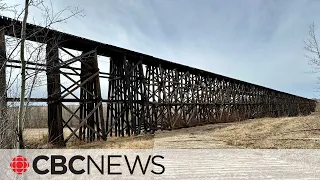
[19, 164]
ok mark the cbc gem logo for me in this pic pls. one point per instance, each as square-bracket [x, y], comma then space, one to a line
[19, 164]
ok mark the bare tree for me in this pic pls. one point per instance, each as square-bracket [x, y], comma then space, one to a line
[23, 76]
[6, 126]
[312, 47]
[28, 52]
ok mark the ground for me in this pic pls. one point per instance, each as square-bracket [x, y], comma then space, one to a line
[285, 132]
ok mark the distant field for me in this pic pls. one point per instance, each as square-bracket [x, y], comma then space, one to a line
[286, 132]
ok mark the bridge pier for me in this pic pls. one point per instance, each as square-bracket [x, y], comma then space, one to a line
[55, 127]
[3, 91]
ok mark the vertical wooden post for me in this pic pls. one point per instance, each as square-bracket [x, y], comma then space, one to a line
[99, 97]
[55, 125]
[3, 91]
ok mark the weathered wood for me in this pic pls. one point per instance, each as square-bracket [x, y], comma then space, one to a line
[4, 124]
[3, 86]
[55, 126]
[82, 121]
[90, 98]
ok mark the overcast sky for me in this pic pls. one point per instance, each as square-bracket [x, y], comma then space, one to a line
[258, 41]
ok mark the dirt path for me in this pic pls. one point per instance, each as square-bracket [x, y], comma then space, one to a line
[190, 138]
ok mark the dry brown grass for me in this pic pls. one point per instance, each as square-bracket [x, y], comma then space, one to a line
[133, 142]
[287, 132]
[37, 138]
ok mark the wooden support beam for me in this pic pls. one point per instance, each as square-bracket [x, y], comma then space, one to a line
[4, 143]
[55, 126]
[82, 121]
[3, 85]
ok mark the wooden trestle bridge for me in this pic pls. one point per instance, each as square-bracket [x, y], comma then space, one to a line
[144, 93]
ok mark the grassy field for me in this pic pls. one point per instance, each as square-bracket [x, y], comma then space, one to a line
[285, 132]
[293, 132]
